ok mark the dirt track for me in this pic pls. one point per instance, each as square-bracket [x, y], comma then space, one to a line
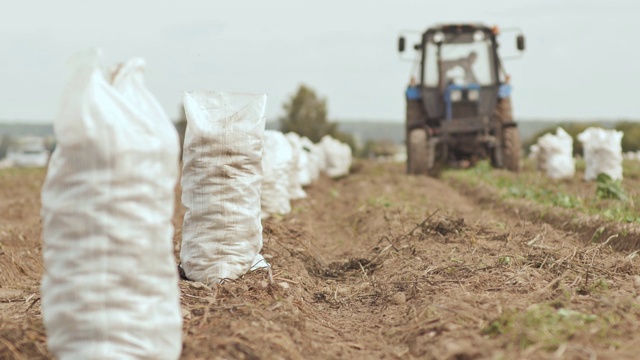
[376, 265]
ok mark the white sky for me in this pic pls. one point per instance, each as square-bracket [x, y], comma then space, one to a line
[582, 59]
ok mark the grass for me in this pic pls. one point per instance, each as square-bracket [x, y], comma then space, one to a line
[16, 171]
[547, 326]
[613, 200]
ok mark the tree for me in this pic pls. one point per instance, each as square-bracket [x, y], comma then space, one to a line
[631, 138]
[5, 140]
[306, 114]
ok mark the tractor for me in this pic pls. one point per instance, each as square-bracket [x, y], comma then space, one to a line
[459, 108]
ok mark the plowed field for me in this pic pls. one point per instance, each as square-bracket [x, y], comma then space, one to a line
[377, 265]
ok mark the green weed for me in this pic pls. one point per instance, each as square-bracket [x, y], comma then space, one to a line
[607, 188]
[598, 234]
[611, 201]
[543, 325]
[379, 201]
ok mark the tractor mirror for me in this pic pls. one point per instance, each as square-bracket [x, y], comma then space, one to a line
[520, 42]
[401, 44]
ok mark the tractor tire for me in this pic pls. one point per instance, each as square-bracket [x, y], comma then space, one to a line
[414, 114]
[503, 111]
[511, 148]
[418, 152]
[509, 137]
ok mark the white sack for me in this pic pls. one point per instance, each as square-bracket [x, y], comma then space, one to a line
[337, 157]
[304, 163]
[110, 287]
[633, 155]
[221, 180]
[602, 153]
[321, 159]
[554, 155]
[316, 158]
[277, 161]
[534, 152]
[298, 164]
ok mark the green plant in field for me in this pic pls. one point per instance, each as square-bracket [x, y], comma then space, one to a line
[504, 260]
[334, 193]
[543, 325]
[379, 201]
[482, 168]
[597, 234]
[621, 213]
[599, 286]
[543, 196]
[611, 202]
[516, 191]
[607, 188]
[566, 200]
[499, 225]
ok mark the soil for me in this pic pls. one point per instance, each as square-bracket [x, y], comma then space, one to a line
[376, 265]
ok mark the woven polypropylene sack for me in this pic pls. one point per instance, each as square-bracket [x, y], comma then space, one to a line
[110, 286]
[221, 180]
[295, 187]
[337, 157]
[315, 155]
[277, 164]
[555, 154]
[303, 164]
[602, 153]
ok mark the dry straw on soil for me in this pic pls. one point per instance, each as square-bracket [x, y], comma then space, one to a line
[383, 265]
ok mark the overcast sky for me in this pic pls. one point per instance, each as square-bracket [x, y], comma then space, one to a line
[582, 59]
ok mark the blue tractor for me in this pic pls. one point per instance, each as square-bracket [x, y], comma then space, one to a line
[459, 106]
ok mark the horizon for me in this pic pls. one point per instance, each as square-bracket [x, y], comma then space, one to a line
[28, 122]
[361, 130]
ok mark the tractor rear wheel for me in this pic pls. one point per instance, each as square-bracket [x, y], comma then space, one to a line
[511, 148]
[418, 151]
[503, 111]
[509, 137]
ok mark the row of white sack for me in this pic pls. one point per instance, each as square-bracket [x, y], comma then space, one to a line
[290, 162]
[602, 152]
[631, 155]
[110, 286]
